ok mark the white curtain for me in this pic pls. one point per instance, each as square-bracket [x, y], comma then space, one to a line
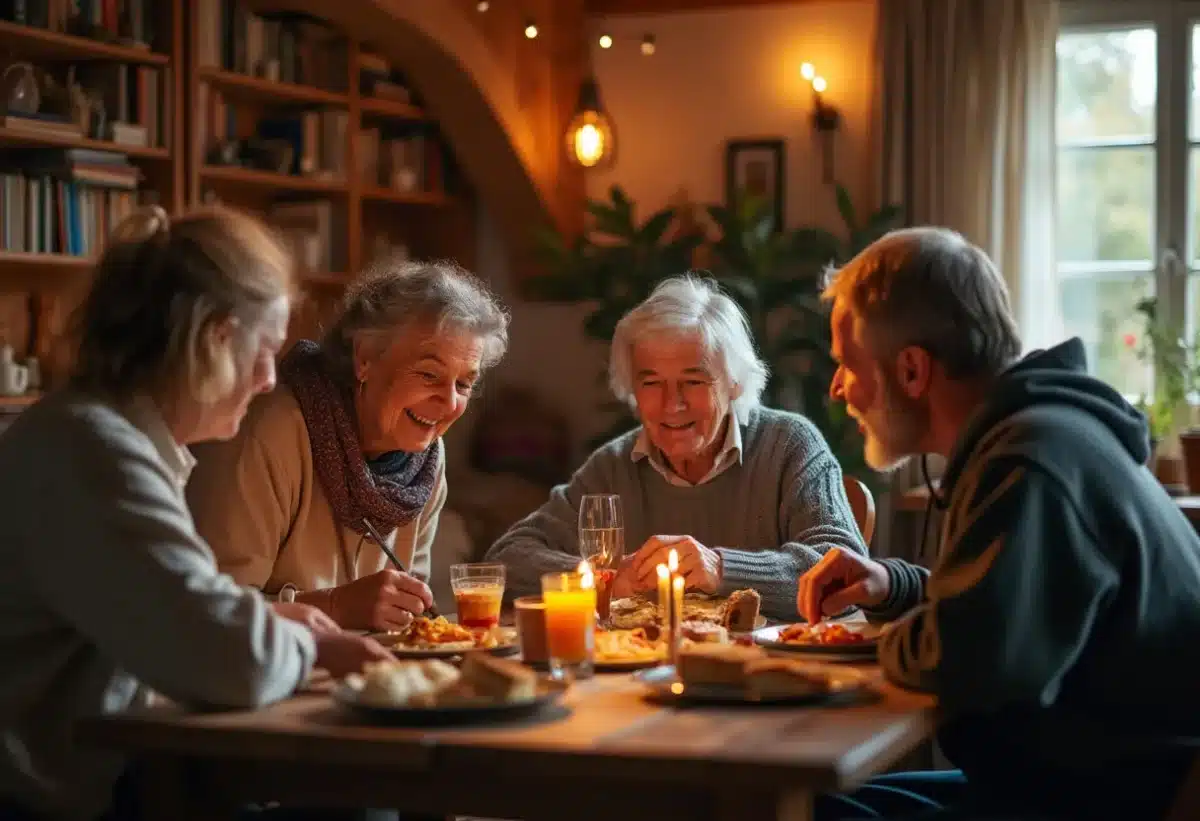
[963, 136]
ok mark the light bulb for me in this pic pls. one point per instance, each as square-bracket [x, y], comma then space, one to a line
[648, 45]
[807, 71]
[605, 41]
[482, 6]
[589, 145]
[819, 84]
[531, 30]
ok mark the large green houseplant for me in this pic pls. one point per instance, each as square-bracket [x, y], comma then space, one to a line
[774, 275]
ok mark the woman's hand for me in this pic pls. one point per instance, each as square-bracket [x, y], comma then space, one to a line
[700, 566]
[345, 653]
[841, 580]
[313, 618]
[386, 600]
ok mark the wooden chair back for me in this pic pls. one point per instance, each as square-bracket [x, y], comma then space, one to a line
[863, 505]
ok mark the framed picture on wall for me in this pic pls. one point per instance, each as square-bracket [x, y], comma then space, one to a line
[755, 168]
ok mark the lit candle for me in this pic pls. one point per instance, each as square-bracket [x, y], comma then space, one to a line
[571, 618]
[677, 614]
[664, 596]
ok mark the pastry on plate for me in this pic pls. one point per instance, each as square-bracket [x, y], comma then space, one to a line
[500, 679]
[740, 611]
[782, 678]
[723, 664]
[704, 632]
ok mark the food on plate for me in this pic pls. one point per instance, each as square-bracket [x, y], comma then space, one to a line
[781, 678]
[617, 646]
[723, 664]
[433, 683]
[741, 610]
[400, 684]
[822, 633]
[438, 633]
[704, 632]
[639, 611]
[496, 678]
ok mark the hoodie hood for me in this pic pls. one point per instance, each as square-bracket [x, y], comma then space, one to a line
[1056, 376]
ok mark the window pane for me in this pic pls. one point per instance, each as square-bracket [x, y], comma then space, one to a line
[1194, 103]
[1105, 204]
[1107, 84]
[1099, 309]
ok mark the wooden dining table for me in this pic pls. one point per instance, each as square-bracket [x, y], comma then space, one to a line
[603, 752]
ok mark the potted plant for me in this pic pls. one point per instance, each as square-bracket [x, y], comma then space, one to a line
[774, 275]
[1173, 364]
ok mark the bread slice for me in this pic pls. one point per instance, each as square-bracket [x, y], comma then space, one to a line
[722, 664]
[502, 679]
[741, 610]
[781, 678]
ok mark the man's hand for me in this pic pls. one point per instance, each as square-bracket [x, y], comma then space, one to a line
[700, 566]
[842, 579]
[386, 600]
[313, 618]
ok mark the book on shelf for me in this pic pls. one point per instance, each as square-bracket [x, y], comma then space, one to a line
[286, 48]
[314, 230]
[407, 158]
[44, 214]
[136, 101]
[377, 78]
[127, 22]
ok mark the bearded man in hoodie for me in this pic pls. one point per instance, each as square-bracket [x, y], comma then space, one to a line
[1059, 624]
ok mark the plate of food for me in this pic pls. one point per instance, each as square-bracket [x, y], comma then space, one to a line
[431, 692]
[618, 650]
[731, 674]
[737, 613]
[438, 638]
[857, 641]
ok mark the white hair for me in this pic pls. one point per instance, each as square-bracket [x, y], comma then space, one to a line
[690, 305]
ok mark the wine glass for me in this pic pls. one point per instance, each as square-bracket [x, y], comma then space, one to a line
[602, 543]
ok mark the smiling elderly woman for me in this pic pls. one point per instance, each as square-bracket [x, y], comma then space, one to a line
[353, 433]
[751, 497]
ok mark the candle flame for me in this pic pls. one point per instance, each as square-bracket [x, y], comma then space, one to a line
[678, 582]
[663, 572]
[673, 561]
[587, 580]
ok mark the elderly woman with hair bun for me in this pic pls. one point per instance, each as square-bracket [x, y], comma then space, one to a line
[353, 434]
[106, 589]
[747, 495]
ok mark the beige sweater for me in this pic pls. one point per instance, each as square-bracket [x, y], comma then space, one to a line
[258, 502]
[106, 589]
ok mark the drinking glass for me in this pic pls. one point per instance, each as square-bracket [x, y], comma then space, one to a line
[569, 600]
[478, 594]
[602, 543]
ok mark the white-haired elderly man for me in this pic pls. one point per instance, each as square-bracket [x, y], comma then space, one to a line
[748, 496]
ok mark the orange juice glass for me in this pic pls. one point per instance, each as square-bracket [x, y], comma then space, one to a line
[478, 594]
[570, 604]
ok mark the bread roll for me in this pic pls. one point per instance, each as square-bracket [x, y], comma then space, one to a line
[502, 679]
[740, 613]
[781, 678]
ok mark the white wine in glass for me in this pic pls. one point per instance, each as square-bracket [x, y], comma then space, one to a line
[602, 543]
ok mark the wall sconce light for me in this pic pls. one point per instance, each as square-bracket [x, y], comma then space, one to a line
[531, 29]
[826, 119]
[591, 142]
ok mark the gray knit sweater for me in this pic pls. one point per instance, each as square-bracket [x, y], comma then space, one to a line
[771, 517]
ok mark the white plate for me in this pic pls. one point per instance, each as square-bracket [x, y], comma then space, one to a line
[464, 712]
[768, 637]
[846, 684]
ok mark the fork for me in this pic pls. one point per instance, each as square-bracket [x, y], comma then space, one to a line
[431, 610]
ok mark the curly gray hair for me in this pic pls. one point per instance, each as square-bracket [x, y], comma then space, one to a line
[395, 294]
[689, 304]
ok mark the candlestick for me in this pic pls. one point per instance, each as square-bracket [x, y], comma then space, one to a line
[664, 596]
[676, 617]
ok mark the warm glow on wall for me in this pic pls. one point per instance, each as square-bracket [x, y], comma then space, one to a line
[590, 140]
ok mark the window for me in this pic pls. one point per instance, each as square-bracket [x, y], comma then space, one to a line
[1128, 137]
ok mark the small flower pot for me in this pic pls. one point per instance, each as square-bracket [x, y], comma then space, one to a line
[1189, 442]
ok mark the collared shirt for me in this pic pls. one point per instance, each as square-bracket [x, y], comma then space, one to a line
[145, 414]
[729, 455]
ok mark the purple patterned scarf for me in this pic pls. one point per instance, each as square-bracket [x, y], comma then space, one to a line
[389, 499]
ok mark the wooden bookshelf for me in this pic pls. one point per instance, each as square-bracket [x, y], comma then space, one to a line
[431, 214]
